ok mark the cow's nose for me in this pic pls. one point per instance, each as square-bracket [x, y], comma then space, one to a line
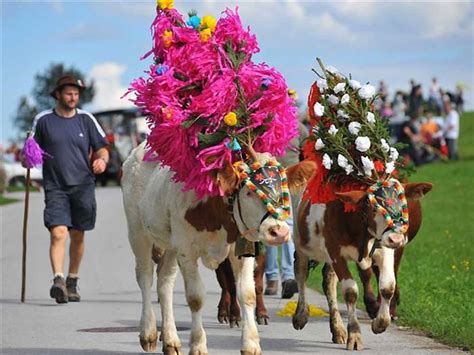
[395, 240]
[279, 231]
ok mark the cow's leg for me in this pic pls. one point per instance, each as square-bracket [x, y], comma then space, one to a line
[142, 248]
[223, 309]
[350, 293]
[384, 258]
[339, 334]
[246, 294]
[370, 300]
[261, 311]
[228, 309]
[195, 294]
[396, 296]
[166, 276]
[301, 274]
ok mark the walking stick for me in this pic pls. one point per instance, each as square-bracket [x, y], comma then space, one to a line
[25, 227]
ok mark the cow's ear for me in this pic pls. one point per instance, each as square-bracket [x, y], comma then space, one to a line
[299, 174]
[228, 179]
[416, 191]
[352, 197]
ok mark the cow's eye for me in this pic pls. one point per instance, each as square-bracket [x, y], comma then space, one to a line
[249, 193]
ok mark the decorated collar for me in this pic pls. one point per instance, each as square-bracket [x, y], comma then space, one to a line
[388, 198]
[270, 183]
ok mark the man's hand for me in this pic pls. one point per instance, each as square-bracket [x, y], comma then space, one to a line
[99, 165]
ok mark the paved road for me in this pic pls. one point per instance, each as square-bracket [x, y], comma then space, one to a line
[106, 320]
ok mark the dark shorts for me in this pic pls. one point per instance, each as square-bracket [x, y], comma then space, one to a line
[72, 206]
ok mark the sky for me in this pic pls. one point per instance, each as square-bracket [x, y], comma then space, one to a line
[394, 41]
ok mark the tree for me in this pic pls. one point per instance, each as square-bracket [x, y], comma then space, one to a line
[45, 83]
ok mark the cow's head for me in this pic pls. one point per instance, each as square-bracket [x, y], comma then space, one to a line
[260, 198]
[389, 209]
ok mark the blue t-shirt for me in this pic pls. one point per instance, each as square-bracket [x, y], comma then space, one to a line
[69, 142]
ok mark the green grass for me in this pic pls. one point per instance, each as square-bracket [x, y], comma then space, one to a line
[4, 200]
[436, 274]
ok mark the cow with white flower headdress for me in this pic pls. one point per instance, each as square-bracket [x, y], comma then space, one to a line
[354, 208]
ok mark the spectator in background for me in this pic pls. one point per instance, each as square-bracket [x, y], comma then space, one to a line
[451, 130]
[429, 129]
[435, 100]
[416, 101]
[459, 98]
[289, 286]
[399, 105]
[410, 136]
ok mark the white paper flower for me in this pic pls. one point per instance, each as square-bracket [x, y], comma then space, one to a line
[362, 144]
[354, 84]
[342, 161]
[319, 144]
[333, 130]
[385, 146]
[389, 167]
[354, 127]
[345, 99]
[322, 84]
[318, 109]
[370, 117]
[349, 169]
[368, 165]
[339, 88]
[366, 92]
[327, 162]
[393, 154]
[342, 114]
[332, 69]
[333, 100]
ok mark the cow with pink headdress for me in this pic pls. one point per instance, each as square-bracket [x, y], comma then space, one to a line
[206, 179]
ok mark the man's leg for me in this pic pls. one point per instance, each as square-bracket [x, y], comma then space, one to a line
[57, 250]
[271, 270]
[76, 251]
[289, 286]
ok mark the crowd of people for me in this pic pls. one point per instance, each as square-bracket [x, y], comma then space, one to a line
[427, 125]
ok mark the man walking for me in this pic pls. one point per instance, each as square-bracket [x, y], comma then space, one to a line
[69, 135]
[451, 129]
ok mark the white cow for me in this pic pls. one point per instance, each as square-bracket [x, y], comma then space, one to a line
[159, 213]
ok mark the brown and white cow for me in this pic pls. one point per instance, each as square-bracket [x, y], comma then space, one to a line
[327, 234]
[185, 229]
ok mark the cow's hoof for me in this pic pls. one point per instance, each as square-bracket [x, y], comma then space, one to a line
[249, 352]
[222, 319]
[372, 307]
[198, 352]
[235, 322]
[300, 320]
[339, 337]
[379, 325]
[148, 343]
[262, 319]
[171, 350]
[354, 342]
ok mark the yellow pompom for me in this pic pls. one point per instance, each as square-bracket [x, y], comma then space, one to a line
[291, 92]
[290, 309]
[165, 4]
[230, 119]
[209, 22]
[205, 34]
[167, 36]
